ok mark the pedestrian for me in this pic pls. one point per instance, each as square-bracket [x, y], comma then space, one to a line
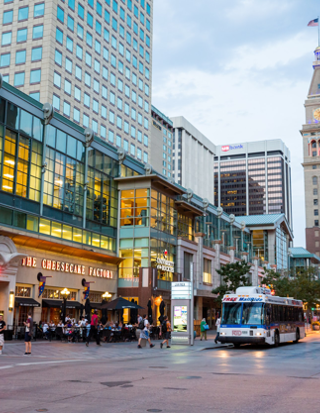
[144, 334]
[139, 318]
[28, 333]
[218, 323]
[203, 330]
[166, 329]
[94, 327]
[46, 331]
[2, 329]
[86, 332]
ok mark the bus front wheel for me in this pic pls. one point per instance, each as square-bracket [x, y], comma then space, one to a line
[297, 336]
[276, 339]
[236, 345]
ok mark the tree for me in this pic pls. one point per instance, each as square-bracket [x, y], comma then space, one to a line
[280, 282]
[299, 284]
[234, 275]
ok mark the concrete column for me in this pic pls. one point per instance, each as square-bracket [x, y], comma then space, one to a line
[216, 264]
[244, 256]
[231, 252]
[255, 279]
[199, 306]
[198, 264]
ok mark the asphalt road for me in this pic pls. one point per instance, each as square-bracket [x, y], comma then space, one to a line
[61, 377]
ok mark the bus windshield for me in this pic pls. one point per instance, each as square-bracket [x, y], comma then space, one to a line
[253, 314]
[231, 314]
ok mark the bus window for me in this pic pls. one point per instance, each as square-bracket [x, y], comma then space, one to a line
[231, 314]
[253, 314]
[281, 313]
[268, 312]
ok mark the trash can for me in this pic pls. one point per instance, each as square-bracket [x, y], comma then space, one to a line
[8, 333]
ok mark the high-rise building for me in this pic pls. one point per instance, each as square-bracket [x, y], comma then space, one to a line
[161, 134]
[193, 156]
[254, 178]
[311, 158]
[91, 59]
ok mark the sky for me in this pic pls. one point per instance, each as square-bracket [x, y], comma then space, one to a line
[239, 71]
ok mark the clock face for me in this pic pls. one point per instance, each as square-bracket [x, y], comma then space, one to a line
[316, 114]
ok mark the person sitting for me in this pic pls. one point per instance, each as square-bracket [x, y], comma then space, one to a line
[69, 331]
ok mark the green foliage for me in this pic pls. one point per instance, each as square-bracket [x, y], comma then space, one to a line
[299, 284]
[234, 275]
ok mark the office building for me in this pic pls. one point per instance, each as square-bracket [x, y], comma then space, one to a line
[311, 159]
[92, 60]
[73, 208]
[193, 155]
[253, 178]
[161, 133]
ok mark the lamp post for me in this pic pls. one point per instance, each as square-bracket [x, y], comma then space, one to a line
[65, 293]
[106, 295]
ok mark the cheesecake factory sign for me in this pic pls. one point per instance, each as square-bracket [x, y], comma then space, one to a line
[67, 267]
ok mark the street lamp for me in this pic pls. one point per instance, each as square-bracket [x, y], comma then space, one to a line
[11, 300]
[106, 295]
[65, 293]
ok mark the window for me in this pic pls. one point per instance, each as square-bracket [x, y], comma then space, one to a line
[77, 93]
[69, 44]
[99, 8]
[146, 123]
[132, 149]
[118, 140]
[315, 191]
[146, 106]
[85, 120]
[119, 122]
[88, 59]
[207, 271]
[126, 127]
[148, 57]
[125, 145]
[20, 57]
[111, 117]
[316, 212]
[79, 52]
[145, 157]
[111, 136]
[145, 140]
[112, 97]
[7, 17]
[105, 54]
[59, 36]
[148, 25]
[103, 131]
[148, 40]
[80, 31]
[78, 72]
[6, 39]
[37, 32]
[139, 153]
[36, 54]
[96, 86]
[76, 114]
[56, 102]
[122, 14]
[68, 65]
[133, 96]
[104, 92]
[142, 34]
[98, 27]
[71, 4]
[133, 131]
[89, 39]
[315, 202]
[104, 111]
[5, 60]
[133, 114]
[135, 44]
[60, 14]
[87, 79]
[119, 104]
[80, 11]
[57, 79]
[105, 73]
[314, 180]
[22, 35]
[316, 223]
[35, 95]
[90, 19]
[35, 76]
[23, 13]
[70, 23]
[66, 108]
[67, 86]
[148, 9]
[146, 89]
[114, 24]
[115, 6]
[18, 79]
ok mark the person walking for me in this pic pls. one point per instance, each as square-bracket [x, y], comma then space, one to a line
[203, 330]
[166, 330]
[94, 328]
[2, 329]
[86, 332]
[28, 333]
[144, 334]
[218, 323]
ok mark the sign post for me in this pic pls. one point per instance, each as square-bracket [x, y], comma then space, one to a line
[182, 313]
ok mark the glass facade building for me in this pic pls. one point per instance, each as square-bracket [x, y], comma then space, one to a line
[92, 60]
[253, 178]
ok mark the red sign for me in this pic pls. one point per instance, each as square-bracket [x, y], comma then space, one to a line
[225, 148]
[236, 333]
[229, 299]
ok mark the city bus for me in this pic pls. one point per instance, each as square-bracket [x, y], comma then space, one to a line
[253, 316]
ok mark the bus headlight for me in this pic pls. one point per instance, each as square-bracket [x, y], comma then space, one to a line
[258, 333]
[222, 333]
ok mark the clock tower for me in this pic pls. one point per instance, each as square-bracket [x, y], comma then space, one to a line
[311, 159]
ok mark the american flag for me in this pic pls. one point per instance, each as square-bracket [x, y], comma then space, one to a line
[314, 22]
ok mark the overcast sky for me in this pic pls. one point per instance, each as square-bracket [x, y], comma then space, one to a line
[239, 71]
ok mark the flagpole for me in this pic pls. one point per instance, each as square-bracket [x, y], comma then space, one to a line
[318, 31]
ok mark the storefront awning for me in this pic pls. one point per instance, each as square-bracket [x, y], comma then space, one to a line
[27, 302]
[50, 303]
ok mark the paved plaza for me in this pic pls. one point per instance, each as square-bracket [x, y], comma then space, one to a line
[62, 377]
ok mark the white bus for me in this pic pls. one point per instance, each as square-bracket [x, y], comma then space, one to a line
[254, 316]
